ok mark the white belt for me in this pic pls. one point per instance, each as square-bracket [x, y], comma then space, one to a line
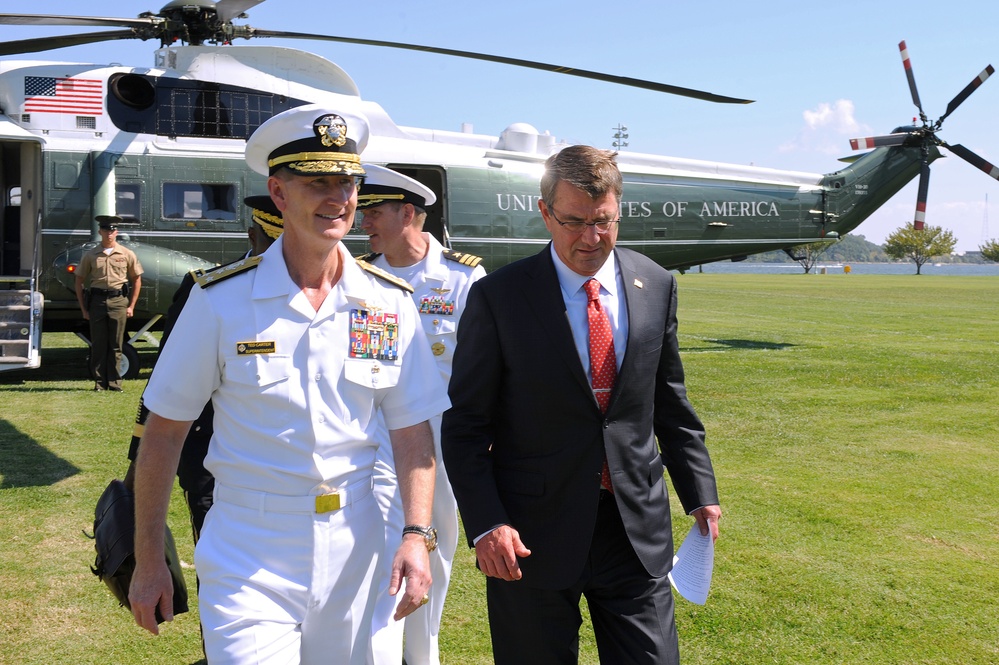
[280, 503]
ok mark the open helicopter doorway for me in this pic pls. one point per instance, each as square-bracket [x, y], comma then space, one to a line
[433, 177]
[20, 163]
[21, 305]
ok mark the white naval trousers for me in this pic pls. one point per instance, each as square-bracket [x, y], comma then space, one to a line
[280, 585]
[422, 627]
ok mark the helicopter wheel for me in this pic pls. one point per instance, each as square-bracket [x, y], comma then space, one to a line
[129, 368]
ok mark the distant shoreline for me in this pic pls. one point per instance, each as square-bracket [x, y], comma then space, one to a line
[878, 268]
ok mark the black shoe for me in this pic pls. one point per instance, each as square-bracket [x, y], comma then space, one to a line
[99, 388]
[116, 389]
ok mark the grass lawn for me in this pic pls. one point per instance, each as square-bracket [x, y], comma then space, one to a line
[853, 422]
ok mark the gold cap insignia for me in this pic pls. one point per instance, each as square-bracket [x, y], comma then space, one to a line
[331, 130]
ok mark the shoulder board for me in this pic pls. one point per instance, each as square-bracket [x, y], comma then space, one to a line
[370, 256]
[206, 278]
[198, 272]
[387, 276]
[469, 260]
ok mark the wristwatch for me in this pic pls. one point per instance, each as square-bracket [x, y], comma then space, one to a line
[429, 534]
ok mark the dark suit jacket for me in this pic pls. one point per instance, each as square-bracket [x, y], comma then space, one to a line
[524, 440]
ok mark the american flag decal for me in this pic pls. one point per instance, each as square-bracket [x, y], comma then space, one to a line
[47, 94]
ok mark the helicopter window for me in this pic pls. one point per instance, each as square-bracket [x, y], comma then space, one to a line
[177, 107]
[127, 201]
[183, 200]
[214, 113]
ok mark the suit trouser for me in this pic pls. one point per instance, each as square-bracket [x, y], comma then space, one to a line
[631, 612]
[108, 317]
[421, 628]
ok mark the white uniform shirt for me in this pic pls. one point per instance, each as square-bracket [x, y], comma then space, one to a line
[295, 414]
[440, 284]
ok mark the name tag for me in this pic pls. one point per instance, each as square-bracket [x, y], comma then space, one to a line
[251, 348]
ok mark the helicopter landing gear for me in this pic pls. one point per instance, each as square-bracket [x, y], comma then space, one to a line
[130, 364]
[129, 367]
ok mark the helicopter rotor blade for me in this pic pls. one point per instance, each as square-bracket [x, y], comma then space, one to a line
[924, 187]
[911, 77]
[51, 19]
[964, 94]
[530, 64]
[227, 10]
[878, 141]
[62, 41]
[982, 165]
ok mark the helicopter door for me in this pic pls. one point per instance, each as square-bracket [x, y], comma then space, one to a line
[20, 180]
[20, 304]
[433, 177]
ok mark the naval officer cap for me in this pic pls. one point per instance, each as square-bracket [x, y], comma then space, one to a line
[108, 222]
[311, 140]
[265, 215]
[383, 185]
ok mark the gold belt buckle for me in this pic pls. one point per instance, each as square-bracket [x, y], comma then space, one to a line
[326, 503]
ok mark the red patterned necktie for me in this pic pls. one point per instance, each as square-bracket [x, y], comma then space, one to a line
[603, 362]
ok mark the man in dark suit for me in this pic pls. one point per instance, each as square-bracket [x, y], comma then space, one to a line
[558, 472]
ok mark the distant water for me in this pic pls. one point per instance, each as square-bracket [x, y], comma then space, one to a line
[855, 268]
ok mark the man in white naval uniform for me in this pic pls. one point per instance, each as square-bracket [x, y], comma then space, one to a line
[308, 357]
[393, 211]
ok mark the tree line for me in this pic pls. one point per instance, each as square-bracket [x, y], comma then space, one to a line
[904, 243]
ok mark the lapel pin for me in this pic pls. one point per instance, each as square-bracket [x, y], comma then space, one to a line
[638, 283]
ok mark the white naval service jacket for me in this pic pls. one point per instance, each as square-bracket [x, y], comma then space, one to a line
[436, 272]
[299, 416]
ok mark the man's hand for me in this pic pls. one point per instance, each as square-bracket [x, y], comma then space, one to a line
[155, 466]
[129, 311]
[497, 553]
[707, 519]
[151, 588]
[411, 563]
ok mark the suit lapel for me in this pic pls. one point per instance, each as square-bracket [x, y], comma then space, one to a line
[638, 309]
[544, 295]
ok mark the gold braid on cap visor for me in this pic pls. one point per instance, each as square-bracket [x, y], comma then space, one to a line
[271, 224]
[368, 200]
[347, 163]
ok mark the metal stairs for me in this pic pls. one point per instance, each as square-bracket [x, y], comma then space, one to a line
[20, 323]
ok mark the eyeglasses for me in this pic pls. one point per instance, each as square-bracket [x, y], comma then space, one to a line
[601, 227]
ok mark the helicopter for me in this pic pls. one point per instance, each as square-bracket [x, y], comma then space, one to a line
[162, 148]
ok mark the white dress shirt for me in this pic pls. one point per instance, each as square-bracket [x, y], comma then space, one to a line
[611, 297]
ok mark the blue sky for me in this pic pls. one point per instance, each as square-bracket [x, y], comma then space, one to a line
[821, 73]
